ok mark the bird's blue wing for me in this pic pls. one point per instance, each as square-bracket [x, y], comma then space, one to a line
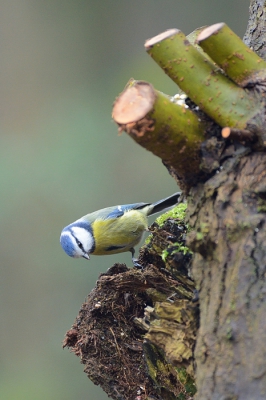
[118, 211]
[112, 212]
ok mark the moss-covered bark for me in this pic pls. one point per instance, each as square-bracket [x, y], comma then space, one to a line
[228, 217]
[231, 54]
[220, 98]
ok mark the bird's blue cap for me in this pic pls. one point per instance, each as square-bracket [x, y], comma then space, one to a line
[67, 244]
[66, 239]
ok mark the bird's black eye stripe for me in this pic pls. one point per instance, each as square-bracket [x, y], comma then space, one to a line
[79, 244]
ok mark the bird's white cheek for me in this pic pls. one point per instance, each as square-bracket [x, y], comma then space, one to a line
[85, 237]
[89, 244]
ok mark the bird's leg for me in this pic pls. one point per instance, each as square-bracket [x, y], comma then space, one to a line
[135, 260]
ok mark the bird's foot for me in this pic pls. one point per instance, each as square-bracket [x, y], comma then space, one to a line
[136, 264]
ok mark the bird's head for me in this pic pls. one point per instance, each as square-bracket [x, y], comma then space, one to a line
[77, 239]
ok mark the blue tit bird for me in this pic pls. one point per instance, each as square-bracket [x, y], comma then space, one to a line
[111, 230]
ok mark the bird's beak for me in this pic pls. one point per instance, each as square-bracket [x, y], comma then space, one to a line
[85, 255]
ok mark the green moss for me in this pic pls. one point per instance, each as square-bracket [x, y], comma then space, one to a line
[179, 249]
[158, 368]
[178, 212]
[187, 381]
[199, 236]
[164, 255]
[262, 208]
[229, 334]
[148, 239]
[235, 230]
[204, 228]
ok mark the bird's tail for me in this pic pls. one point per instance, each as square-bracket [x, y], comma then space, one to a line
[165, 203]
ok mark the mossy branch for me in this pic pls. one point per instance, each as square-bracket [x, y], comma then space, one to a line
[223, 77]
[237, 60]
[215, 94]
[171, 131]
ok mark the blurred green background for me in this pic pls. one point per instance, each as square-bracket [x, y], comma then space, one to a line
[62, 65]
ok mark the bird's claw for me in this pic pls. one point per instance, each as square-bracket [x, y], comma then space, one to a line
[136, 264]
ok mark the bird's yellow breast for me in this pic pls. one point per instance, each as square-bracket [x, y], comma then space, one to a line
[120, 234]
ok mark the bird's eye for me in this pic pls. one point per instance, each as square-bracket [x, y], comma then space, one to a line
[79, 244]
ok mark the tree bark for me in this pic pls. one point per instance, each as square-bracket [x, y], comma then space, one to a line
[227, 215]
[255, 33]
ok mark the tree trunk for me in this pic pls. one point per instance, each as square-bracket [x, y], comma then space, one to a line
[255, 33]
[227, 214]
